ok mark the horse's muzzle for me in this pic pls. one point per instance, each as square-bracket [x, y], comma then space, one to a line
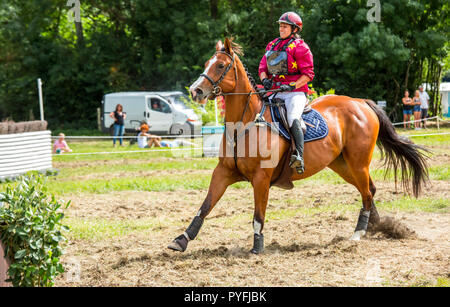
[197, 94]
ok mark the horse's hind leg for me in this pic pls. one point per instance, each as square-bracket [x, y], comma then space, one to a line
[374, 216]
[359, 177]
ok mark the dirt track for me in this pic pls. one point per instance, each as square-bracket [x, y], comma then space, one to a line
[301, 249]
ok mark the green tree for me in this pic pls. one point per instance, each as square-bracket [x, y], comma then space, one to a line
[125, 45]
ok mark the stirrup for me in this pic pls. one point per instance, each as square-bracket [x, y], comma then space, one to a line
[297, 163]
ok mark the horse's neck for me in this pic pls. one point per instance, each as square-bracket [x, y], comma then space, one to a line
[236, 104]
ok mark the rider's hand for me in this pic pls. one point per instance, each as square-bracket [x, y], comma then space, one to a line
[287, 87]
[267, 84]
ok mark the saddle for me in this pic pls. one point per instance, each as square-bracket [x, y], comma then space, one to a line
[313, 124]
[314, 128]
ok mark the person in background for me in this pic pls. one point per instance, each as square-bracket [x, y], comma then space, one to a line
[176, 143]
[407, 109]
[60, 145]
[424, 99]
[416, 109]
[119, 120]
[146, 140]
[156, 106]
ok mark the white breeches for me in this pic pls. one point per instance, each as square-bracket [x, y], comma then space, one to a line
[295, 104]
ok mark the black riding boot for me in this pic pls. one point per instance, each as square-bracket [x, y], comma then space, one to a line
[297, 158]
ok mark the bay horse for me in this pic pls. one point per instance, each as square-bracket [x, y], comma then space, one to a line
[355, 127]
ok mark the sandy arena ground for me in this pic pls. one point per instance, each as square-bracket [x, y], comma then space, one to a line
[301, 249]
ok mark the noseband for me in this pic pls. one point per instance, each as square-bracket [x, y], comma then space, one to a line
[217, 90]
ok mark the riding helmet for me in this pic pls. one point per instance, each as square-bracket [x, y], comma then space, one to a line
[292, 19]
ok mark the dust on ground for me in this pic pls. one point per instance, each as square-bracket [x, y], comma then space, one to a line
[300, 250]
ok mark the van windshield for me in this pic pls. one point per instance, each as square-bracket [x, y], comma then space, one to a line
[180, 101]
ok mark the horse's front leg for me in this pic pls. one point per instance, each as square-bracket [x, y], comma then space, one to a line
[261, 185]
[222, 177]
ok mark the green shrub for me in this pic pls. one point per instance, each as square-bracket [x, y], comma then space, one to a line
[31, 230]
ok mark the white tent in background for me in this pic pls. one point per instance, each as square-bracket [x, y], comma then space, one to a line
[444, 91]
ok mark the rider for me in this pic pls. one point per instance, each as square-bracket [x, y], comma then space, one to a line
[288, 65]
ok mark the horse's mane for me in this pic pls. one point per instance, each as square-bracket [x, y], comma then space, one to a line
[240, 51]
[235, 46]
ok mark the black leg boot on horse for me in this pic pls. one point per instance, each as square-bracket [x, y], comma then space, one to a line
[297, 158]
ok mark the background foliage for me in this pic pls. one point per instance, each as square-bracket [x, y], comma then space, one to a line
[125, 45]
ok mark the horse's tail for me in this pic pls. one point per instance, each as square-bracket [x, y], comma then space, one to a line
[400, 151]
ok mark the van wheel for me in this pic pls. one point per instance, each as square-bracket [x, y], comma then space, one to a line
[178, 129]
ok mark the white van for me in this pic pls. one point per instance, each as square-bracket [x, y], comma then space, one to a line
[165, 112]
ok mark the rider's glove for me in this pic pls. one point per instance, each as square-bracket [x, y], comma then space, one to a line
[267, 84]
[287, 87]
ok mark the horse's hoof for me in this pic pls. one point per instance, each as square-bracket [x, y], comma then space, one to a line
[175, 246]
[255, 251]
[179, 244]
[358, 235]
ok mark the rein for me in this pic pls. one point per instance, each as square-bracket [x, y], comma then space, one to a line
[217, 90]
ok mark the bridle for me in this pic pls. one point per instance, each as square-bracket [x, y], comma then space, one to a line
[217, 90]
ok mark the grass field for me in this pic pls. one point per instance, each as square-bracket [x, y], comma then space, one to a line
[126, 208]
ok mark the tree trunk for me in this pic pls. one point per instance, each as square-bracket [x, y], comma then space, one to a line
[428, 71]
[79, 31]
[436, 84]
[407, 74]
[420, 72]
[397, 89]
[213, 4]
[58, 21]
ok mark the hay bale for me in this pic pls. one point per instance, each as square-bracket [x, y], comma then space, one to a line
[20, 127]
[35, 125]
[11, 127]
[44, 125]
[3, 128]
[28, 127]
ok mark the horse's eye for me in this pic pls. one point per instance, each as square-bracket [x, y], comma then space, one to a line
[221, 65]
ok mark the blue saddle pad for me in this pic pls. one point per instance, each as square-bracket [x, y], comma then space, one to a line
[316, 130]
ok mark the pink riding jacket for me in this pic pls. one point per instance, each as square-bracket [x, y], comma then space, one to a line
[300, 62]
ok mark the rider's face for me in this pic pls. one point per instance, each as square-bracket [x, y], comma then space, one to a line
[285, 30]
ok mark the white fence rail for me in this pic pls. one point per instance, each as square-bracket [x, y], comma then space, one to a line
[23, 152]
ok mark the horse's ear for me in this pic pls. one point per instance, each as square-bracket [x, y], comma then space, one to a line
[228, 47]
[219, 46]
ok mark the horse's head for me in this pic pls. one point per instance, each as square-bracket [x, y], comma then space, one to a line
[220, 73]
